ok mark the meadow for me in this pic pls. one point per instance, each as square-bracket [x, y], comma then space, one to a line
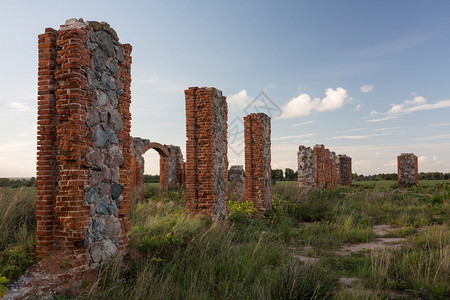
[363, 242]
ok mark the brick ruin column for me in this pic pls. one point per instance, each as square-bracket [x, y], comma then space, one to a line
[345, 170]
[46, 169]
[174, 167]
[84, 123]
[236, 176]
[408, 169]
[258, 160]
[319, 163]
[327, 167]
[306, 167]
[337, 163]
[332, 170]
[206, 152]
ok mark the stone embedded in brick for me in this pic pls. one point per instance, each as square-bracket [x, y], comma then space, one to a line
[345, 163]
[206, 152]
[306, 167]
[236, 176]
[83, 153]
[408, 169]
[333, 170]
[257, 161]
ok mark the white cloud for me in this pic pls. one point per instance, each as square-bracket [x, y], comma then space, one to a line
[373, 113]
[358, 107]
[303, 105]
[383, 119]
[358, 137]
[20, 107]
[366, 88]
[293, 137]
[303, 124]
[152, 78]
[239, 100]
[417, 104]
[433, 137]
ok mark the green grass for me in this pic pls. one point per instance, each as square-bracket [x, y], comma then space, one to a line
[175, 256]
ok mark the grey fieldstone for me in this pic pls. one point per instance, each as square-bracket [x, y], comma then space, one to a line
[91, 195]
[100, 137]
[116, 121]
[116, 190]
[98, 230]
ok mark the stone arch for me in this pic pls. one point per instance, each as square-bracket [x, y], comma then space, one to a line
[171, 163]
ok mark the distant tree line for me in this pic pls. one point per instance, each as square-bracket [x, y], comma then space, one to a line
[15, 183]
[393, 176]
[287, 175]
[151, 178]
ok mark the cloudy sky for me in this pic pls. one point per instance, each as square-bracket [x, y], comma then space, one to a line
[366, 78]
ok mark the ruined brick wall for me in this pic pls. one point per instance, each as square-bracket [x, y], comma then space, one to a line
[319, 163]
[137, 163]
[206, 152]
[171, 163]
[306, 167]
[408, 169]
[236, 176]
[83, 158]
[258, 161]
[346, 170]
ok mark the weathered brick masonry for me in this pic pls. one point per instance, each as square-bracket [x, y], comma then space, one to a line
[319, 162]
[206, 152]
[83, 153]
[257, 161]
[408, 169]
[320, 168]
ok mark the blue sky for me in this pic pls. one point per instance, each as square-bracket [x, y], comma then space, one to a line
[364, 78]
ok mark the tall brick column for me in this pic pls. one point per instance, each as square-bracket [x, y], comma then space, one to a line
[83, 159]
[257, 161]
[408, 169]
[46, 169]
[327, 167]
[206, 152]
[319, 162]
[345, 163]
[306, 167]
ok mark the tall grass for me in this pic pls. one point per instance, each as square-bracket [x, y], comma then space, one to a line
[17, 226]
[173, 256]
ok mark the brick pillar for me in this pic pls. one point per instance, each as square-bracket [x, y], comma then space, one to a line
[46, 171]
[319, 162]
[257, 161]
[306, 167]
[174, 169]
[327, 167]
[163, 173]
[345, 170]
[206, 152]
[337, 163]
[408, 170]
[236, 176]
[333, 170]
[83, 142]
